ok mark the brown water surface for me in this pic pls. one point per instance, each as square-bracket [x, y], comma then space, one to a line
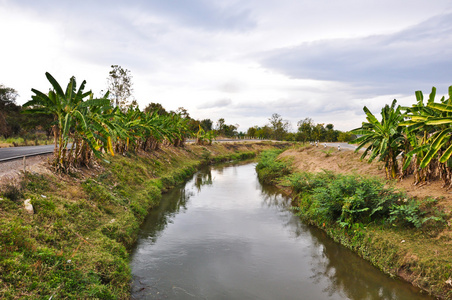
[223, 235]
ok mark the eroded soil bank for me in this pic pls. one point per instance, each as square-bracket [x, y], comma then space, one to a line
[420, 256]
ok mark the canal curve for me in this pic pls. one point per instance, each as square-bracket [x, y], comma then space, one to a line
[223, 235]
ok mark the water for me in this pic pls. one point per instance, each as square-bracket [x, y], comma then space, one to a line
[224, 236]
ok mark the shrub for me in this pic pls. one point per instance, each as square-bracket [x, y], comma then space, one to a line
[12, 191]
[349, 200]
[410, 213]
[269, 168]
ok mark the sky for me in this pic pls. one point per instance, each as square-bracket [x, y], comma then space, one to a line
[238, 60]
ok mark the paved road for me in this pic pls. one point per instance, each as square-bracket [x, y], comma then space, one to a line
[12, 153]
[19, 152]
[343, 145]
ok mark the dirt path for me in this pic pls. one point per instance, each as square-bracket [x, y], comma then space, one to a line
[312, 159]
[10, 171]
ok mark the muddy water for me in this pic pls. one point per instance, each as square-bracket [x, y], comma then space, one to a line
[225, 236]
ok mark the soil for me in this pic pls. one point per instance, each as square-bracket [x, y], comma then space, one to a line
[10, 171]
[316, 159]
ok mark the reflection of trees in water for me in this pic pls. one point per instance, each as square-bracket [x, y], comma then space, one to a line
[351, 275]
[342, 271]
[203, 178]
[173, 202]
[272, 197]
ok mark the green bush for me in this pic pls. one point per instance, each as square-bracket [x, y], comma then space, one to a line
[410, 213]
[270, 169]
[349, 200]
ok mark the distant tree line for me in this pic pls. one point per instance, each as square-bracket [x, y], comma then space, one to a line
[115, 116]
[307, 130]
[14, 123]
[110, 123]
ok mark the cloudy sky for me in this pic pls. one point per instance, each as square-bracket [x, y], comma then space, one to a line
[238, 60]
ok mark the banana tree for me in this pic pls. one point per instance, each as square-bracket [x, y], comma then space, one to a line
[436, 121]
[69, 109]
[418, 134]
[382, 139]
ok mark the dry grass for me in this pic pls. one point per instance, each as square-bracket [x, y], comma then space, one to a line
[423, 257]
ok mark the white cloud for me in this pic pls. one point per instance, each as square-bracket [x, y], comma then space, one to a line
[237, 60]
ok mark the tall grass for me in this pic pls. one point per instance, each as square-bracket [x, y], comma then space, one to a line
[270, 168]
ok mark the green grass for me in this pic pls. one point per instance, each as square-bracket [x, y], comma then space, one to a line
[400, 235]
[27, 140]
[270, 168]
[76, 245]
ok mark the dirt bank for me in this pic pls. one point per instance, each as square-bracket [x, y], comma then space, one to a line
[422, 256]
[312, 159]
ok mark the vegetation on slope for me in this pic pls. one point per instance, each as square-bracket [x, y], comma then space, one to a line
[75, 245]
[401, 235]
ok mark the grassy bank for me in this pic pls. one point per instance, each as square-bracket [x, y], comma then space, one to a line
[403, 236]
[76, 243]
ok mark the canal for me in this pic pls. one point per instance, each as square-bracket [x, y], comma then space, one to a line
[223, 235]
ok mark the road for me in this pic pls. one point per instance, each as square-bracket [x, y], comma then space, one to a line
[343, 145]
[19, 152]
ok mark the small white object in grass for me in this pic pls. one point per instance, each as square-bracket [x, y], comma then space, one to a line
[28, 206]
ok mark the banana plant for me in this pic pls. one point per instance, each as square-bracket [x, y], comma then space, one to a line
[382, 139]
[435, 120]
[69, 109]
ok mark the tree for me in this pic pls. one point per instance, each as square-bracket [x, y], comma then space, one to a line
[318, 132]
[10, 117]
[345, 136]
[120, 86]
[206, 124]
[383, 139]
[220, 126]
[428, 134]
[156, 108]
[331, 134]
[264, 132]
[230, 130]
[183, 112]
[305, 128]
[74, 123]
[251, 132]
[280, 127]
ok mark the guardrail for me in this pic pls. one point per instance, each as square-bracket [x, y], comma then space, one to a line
[13, 153]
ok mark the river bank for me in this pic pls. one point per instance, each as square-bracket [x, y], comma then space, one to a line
[76, 242]
[416, 252]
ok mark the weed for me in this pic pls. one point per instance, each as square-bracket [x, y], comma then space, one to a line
[269, 168]
[409, 212]
[12, 191]
[328, 152]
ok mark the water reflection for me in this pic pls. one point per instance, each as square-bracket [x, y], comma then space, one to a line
[158, 218]
[224, 236]
[345, 272]
[202, 178]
